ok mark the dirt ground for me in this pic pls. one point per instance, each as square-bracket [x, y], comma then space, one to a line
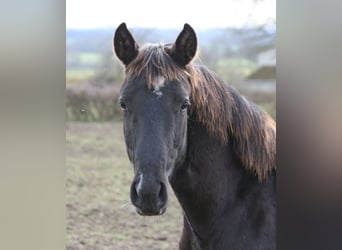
[99, 212]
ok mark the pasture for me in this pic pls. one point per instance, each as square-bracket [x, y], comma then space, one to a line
[98, 179]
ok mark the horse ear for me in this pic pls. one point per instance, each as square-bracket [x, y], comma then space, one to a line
[125, 46]
[185, 47]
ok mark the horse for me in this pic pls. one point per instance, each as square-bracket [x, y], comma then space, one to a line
[185, 128]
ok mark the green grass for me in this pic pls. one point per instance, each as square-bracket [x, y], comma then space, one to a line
[99, 212]
[82, 66]
[90, 58]
[82, 59]
[79, 75]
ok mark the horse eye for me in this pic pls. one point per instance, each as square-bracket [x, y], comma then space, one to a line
[185, 105]
[123, 105]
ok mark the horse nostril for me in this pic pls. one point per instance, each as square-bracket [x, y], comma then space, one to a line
[134, 194]
[162, 195]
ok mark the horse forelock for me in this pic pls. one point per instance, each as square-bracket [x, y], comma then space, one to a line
[154, 63]
[225, 114]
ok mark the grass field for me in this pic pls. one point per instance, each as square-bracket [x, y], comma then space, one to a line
[79, 75]
[81, 66]
[98, 179]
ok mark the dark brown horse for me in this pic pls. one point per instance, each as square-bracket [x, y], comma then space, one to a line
[185, 127]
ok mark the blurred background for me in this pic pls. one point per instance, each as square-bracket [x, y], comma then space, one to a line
[236, 40]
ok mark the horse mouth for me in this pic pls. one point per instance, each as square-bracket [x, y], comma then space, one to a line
[151, 212]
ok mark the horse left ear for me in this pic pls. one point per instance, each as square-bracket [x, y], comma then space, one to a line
[185, 47]
[125, 46]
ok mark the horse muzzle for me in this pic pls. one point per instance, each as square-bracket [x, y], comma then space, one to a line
[149, 196]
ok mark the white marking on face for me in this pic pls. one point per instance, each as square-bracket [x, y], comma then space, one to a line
[169, 172]
[158, 85]
[140, 183]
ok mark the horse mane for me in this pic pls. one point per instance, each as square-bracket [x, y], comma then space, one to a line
[220, 108]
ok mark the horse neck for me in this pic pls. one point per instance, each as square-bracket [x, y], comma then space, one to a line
[211, 181]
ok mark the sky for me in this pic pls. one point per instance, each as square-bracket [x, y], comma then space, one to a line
[168, 14]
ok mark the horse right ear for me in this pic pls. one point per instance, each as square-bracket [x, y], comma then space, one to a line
[185, 47]
[125, 46]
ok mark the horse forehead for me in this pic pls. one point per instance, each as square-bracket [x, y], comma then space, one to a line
[157, 85]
